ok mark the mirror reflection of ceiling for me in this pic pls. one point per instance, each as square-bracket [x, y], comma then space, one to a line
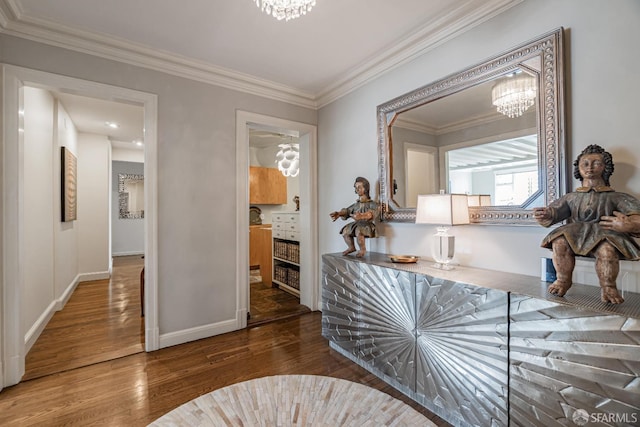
[464, 109]
[512, 152]
[459, 110]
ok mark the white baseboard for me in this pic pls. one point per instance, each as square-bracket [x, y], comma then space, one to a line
[34, 332]
[193, 334]
[127, 253]
[97, 275]
[64, 298]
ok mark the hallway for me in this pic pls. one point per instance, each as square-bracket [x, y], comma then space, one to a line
[100, 322]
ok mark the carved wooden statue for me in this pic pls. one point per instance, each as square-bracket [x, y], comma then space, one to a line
[364, 211]
[601, 223]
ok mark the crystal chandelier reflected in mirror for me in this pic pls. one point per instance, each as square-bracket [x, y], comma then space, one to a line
[514, 95]
[288, 159]
[285, 9]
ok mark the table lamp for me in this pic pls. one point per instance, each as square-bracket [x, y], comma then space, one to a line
[444, 210]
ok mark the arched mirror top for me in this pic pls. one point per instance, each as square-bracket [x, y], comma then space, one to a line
[459, 134]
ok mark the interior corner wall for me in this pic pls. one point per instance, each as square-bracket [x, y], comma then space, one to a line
[601, 95]
[94, 171]
[127, 234]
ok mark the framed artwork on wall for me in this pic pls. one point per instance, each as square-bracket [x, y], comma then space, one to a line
[69, 185]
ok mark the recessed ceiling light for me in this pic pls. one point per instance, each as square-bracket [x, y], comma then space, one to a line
[112, 125]
[138, 143]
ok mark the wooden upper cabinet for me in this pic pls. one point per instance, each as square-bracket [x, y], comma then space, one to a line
[267, 186]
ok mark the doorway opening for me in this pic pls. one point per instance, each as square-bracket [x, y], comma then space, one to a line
[268, 134]
[67, 262]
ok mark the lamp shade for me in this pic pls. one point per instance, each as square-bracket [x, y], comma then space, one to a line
[442, 209]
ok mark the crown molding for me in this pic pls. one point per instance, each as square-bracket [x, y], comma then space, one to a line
[437, 32]
[42, 31]
[15, 23]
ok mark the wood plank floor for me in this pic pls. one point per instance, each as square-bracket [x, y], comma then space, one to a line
[270, 303]
[100, 322]
[136, 389]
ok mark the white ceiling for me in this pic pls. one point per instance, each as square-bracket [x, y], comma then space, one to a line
[309, 61]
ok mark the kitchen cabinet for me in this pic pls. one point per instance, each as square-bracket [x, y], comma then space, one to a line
[260, 250]
[267, 186]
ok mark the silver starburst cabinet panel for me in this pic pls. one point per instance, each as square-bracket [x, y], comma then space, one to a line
[485, 348]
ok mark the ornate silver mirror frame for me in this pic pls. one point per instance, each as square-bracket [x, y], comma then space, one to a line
[548, 49]
[130, 196]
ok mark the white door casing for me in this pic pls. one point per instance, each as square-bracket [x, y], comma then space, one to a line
[309, 281]
[12, 347]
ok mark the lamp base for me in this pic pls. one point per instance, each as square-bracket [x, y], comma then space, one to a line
[443, 248]
[443, 266]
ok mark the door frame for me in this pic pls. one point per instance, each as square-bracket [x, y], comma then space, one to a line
[12, 347]
[309, 282]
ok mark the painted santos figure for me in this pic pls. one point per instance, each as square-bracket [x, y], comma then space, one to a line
[364, 211]
[601, 223]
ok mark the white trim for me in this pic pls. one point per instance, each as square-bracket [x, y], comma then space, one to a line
[196, 333]
[96, 275]
[460, 19]
[32, 335]
[66, 295]
[13, 352]
[309, 276]
[132, 253]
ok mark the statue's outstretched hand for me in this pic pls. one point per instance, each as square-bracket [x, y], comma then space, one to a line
[542, 214]
[621, 223]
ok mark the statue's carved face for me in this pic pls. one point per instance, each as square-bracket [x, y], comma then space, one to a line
[591, 166]
[360, 190]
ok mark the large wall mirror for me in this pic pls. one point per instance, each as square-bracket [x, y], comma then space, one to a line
[131, 196]
[494, 131]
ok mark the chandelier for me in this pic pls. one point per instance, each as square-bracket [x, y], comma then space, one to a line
[288, 159]
[285, 9]
[513, 95]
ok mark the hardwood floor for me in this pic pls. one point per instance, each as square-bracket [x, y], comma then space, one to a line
[136, 389]
[100, 322]
[88, 367]
[269, 303]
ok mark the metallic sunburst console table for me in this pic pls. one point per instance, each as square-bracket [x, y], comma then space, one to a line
[485, 348]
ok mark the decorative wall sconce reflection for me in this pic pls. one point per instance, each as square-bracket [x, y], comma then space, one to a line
[288, 159]
[131, 196]
[443, 210]
[514, 94]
